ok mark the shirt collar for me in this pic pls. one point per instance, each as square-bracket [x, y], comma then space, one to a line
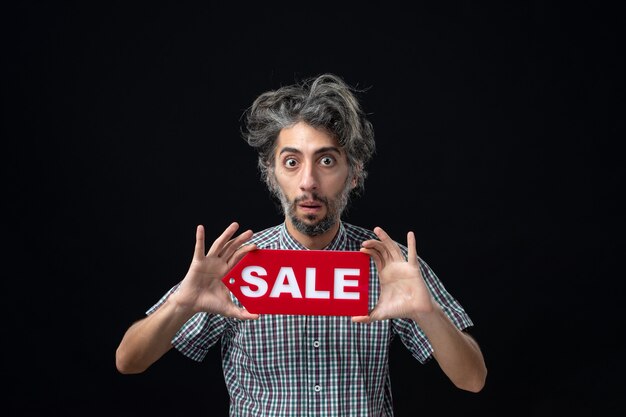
[288, 242]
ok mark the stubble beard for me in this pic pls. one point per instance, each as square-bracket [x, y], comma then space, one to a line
[334, 210]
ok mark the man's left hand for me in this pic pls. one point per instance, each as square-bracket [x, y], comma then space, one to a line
[403, 292]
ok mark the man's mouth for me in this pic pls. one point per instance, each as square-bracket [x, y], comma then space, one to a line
[310, 206]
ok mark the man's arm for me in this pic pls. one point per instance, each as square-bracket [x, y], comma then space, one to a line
[149, 339]
[404, 294]
[457, 353]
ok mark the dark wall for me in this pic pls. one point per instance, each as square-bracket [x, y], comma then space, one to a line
[497, 142]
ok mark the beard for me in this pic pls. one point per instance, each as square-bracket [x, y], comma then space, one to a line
[310, 225]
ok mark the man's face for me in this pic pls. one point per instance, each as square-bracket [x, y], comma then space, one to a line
[311, 178]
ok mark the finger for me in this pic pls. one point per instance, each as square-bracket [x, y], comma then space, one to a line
[225, 248]
[369, 242]
[232, 245]
[412, 255]
[240, 253]
[380, 245]
[374, 254]
[217, 245]
[377, 245]
[390, 244]
[198, 252]
[241, 313]
[381, 248]
[370, 318]
[361, 319]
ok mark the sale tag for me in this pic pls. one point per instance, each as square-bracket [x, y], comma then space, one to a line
[305, 282]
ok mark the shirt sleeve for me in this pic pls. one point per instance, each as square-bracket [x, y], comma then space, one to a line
[198, 334]
[412, 335]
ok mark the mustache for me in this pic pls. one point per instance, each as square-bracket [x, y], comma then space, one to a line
[312, 197]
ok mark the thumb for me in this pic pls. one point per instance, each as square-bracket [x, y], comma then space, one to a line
[242, 314]
[361, 319]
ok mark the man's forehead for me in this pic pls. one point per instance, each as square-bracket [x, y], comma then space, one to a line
[303, 138]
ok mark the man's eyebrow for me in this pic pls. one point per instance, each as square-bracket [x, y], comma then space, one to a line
[326, 149]
[319, 151]
[289, 150]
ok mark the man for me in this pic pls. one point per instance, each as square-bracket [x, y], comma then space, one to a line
[313, 141]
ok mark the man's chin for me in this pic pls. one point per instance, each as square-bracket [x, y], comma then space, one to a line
[310, 219]
[312, 225]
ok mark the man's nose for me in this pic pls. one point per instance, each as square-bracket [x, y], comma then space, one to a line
[308, 178]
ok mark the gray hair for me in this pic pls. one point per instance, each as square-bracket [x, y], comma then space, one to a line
[325, 102]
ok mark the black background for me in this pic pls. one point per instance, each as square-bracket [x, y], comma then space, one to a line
[498, 129]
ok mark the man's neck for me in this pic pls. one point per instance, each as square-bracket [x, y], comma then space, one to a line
[313, 242]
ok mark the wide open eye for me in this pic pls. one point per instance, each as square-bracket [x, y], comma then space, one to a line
[291, 162]
[327, 161]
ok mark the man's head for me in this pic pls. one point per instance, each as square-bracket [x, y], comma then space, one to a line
[318, 107]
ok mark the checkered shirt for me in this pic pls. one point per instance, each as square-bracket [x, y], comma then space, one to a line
[292, 366]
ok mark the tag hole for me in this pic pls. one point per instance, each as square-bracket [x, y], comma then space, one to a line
[232, 280]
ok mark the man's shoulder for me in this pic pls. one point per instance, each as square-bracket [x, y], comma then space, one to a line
[358, 233]
[266, 237]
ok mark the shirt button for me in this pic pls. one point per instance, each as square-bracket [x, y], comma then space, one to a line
[316, 344]
[317, 388]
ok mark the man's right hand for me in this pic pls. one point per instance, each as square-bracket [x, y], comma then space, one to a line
[202, 289]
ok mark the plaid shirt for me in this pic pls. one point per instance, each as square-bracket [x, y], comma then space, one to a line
[292, 366]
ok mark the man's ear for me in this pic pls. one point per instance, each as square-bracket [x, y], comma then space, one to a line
[271, 177]
[355, 175]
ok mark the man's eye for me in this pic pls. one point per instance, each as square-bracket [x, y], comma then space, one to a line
[291, 162]
[327, 161]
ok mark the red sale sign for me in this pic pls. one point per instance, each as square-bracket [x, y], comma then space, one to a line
[306, 282]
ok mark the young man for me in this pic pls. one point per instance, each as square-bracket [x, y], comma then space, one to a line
[313, 142]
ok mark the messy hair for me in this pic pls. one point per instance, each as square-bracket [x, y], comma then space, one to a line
[325, 102]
